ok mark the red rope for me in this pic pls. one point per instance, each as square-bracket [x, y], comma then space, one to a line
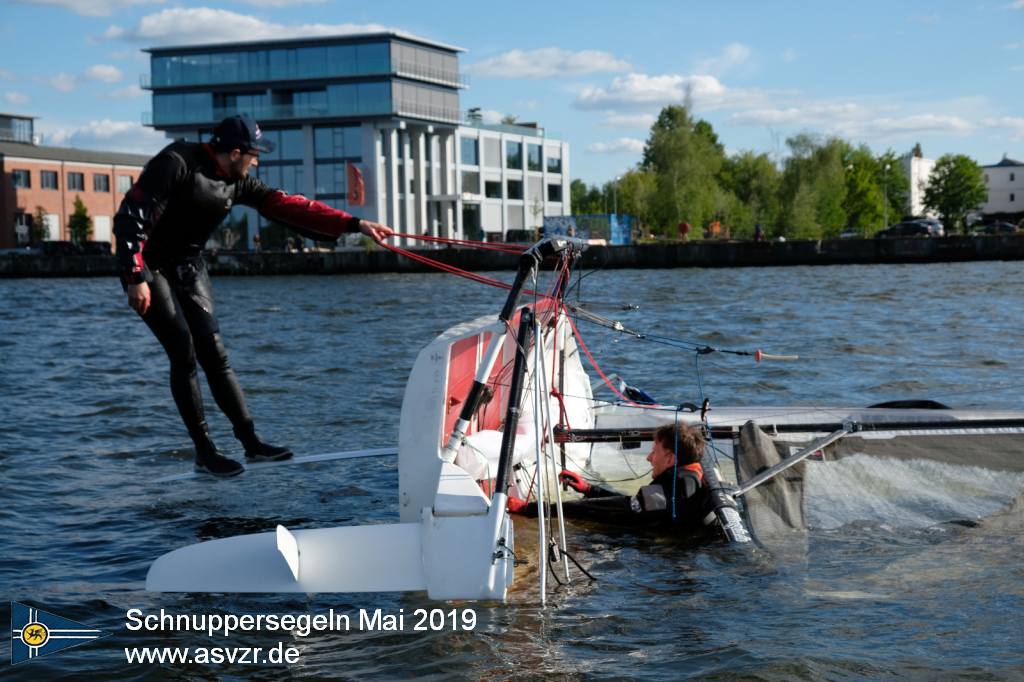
[593, 363]
[486, 246]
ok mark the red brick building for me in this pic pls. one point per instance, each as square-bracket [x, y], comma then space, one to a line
[52, 177]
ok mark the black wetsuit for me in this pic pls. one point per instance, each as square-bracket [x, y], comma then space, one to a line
[161, 227]
[650, 507]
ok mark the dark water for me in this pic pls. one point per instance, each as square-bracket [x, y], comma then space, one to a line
[88, 423]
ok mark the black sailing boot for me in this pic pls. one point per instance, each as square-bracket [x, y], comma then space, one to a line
[209, 461]
[258, 451]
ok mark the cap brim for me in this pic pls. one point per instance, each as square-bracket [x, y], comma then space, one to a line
[263, 146]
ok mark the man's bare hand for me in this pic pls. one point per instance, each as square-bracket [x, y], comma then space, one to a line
[375, 231]
[138, 297]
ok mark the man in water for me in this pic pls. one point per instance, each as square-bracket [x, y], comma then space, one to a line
[182, 195]
[681, 483]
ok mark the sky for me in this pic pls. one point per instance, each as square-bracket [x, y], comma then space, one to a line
[886, 74]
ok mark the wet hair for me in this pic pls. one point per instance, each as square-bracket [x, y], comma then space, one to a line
[691, 442]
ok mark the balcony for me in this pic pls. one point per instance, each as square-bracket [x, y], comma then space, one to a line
[275, 112]
[431, 74]
[427, 111]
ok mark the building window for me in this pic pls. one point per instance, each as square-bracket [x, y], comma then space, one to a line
[986, 178]
[470, 183]
[287, 145]
[514, 155]
[554, 192]
[554, 165]
[124, 183]
[100, 182]
[76, 181]
[48, 179]
[331, 178]
[1011, 177]
[339, 142]
[22, 227]
[492, 189]
[21, 179]
[533, 161]
[515, 189]
[1013, 197]
[470, 151]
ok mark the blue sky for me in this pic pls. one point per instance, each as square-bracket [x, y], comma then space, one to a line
[888, 74]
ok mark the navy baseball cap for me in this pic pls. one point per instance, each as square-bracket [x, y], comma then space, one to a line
[240, 132]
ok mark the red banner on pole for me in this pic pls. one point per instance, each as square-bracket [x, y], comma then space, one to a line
[356, 187]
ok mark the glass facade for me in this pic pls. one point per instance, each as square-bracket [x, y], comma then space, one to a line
[330, 179]
[289, 178]
[470, 151]
[287, 145]
[514, 155]
[338, 142]
[515, 189]
[533, 160]
[343, 99]
[554, 165]
[286, 63]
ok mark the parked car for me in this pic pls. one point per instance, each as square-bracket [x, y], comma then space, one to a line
[937, 230]
[908, 229]
[851, 234]
[998, 228]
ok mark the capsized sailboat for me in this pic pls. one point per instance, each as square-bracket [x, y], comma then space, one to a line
[495, 407]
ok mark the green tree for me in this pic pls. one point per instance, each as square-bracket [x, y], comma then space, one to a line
[636, 193]
[864, 202]
[894, 183]
[813, 188]
[754, 182]
[80, 224]
[685, 157]
[37, 231]
[955, 188]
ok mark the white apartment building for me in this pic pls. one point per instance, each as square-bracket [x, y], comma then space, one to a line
[917, 170]
[1005, 184]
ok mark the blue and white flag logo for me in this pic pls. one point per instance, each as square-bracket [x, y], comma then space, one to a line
[36, 633]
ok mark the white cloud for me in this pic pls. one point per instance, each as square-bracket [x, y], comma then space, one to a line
[6, 75]
[182, 26]
[1016, 4]
[637, 90]
[90, 8]
[813, 114]
[733, 56]
[547, 62]
[16, 98]
[790, 55]
[920, 123]
[64, 82]
[129, 92]
[104, 73]
[281, 3]
[123, 136]
[623, 145]
[629, 120]
[1013, 124]
[1017, 67]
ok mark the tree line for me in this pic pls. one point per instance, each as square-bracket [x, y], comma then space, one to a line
[824, 187]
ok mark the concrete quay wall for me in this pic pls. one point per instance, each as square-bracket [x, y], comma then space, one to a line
[697, 254]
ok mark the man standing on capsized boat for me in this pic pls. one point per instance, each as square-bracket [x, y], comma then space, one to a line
[653, 504]
[182, 195]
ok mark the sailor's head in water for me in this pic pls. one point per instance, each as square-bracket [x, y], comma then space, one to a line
[689, 441]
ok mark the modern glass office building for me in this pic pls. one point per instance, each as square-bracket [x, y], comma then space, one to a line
[387, 103]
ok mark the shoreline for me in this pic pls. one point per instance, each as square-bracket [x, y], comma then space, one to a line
[697, 254]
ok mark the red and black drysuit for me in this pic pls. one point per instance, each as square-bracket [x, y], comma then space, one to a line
[180, 198]
[651, 506]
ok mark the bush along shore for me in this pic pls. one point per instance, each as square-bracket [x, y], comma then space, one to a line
[695, 254]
